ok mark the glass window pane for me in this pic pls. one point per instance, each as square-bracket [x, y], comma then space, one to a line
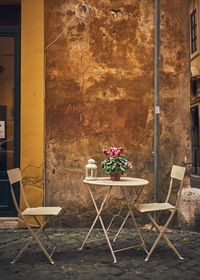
[6, 103]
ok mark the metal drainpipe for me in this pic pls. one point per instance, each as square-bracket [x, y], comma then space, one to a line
[45, 62]
[44, 141]
[157, 102]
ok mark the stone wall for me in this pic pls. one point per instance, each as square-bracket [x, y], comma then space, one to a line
[100, 93]
[189, 209]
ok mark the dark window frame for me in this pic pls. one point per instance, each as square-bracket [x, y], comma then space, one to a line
[15, 32]
[193, 22]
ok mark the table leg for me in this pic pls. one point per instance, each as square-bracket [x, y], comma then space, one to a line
[108, 240]
[122, 225]
[101, 221]
[128, 214]
[134, 221]
[114, 216]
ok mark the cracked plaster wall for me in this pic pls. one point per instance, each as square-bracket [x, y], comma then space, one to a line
[100, 93]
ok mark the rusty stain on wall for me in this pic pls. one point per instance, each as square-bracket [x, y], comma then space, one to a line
[100, 93]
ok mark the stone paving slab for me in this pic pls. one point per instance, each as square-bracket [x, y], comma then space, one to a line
[95, 262]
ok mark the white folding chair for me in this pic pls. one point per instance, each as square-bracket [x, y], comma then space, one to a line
[178, 173]
[14, 176]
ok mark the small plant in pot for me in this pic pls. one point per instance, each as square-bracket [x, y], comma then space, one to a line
[115, 163]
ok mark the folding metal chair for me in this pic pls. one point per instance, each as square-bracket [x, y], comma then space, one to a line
[177, 172]
[14, 176]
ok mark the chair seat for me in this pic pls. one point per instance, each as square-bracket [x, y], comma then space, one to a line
[148, 207]
[42, 211]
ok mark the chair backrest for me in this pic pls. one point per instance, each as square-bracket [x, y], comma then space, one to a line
[14, 176]
[177, 172]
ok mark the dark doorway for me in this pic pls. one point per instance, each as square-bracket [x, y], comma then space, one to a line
[195, 140]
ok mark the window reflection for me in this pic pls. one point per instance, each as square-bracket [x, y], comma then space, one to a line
[6, 102]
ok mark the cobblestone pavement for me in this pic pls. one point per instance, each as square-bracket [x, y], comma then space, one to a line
[95, 262]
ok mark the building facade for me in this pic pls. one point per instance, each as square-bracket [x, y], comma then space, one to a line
[87, 83]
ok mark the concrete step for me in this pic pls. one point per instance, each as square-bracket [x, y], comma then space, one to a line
[8, 222]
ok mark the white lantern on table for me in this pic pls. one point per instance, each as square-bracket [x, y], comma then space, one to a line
[91, 170]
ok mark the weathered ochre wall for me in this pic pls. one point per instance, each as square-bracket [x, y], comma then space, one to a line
[100, 93]
[32, 99]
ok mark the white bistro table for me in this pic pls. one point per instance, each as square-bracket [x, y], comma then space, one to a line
[123, 184]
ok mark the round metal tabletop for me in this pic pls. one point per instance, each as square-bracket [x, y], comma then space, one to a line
[124, 181]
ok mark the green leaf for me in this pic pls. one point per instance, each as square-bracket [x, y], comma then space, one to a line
[122, 168]
[114, 166]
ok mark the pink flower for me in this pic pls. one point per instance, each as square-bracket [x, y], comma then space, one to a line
[128, 164]
[120, 151]
[113, 154]
[109, 154]
[113, 149]
[105, 151]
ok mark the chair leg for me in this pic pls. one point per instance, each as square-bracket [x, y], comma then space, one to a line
[46, 235]
[34, 236]
[51, 241]
[163, 235]
[166, 238]
[172, 246]
[26, 245]
[43, 249]
[153, 247]
[22, 250]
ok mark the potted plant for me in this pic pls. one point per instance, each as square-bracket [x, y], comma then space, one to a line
[115, 164]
